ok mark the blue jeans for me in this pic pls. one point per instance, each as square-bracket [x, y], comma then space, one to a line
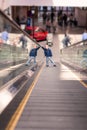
[49, 59]
[30, 59]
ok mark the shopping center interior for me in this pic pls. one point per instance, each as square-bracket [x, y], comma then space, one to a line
[37, 96]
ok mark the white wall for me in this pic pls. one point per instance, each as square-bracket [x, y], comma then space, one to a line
[4, 4]
[70, 3]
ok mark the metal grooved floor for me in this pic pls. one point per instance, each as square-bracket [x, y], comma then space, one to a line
[56, 102]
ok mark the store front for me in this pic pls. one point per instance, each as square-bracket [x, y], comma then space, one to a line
[23, 12]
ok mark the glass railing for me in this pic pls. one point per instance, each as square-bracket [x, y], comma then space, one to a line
[75, 55]
[15, 43]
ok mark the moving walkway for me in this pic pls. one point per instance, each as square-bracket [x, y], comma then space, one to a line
[58, 98]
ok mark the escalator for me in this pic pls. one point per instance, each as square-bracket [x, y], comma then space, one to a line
[15, 77]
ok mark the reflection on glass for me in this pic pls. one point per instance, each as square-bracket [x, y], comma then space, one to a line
[14, 47]
[11, 36]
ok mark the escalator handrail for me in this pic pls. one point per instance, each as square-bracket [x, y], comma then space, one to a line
[75, 44]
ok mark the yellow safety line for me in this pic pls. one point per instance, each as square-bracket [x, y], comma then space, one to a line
[13, 122]
[82, 82]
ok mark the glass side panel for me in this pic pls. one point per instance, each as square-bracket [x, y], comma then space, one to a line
[15, 46]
